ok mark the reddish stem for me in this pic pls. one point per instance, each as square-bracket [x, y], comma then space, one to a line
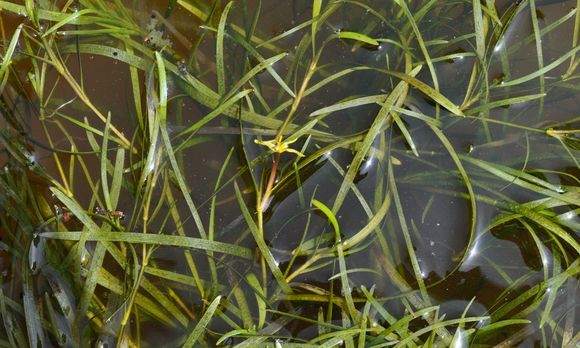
[271, 180]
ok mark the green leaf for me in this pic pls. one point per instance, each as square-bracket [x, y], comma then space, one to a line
[69, 19]
[316, 6]
[7, 59]
[219, 51]
[542, 71]
[350, 35]
[201, 326]
[266, 254]
[156, 240]
[329, 215]
[429, 91]
[162, 78]
[105, 162]
[373, 99]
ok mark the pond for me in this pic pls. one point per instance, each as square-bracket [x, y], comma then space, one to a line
[301, 173]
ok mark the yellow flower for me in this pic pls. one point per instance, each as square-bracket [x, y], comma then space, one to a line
[278, 146]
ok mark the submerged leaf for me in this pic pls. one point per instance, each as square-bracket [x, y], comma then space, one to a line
[357, 37]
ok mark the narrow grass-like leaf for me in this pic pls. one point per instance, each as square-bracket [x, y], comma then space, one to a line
[171, 276]
[466, 180]
[406, 235]
[382, 311]
[334, 338]
[423, 47]
[60, 67]
[36, 334]
[505, 102]
[104, 162]
[373, 99]
[478, 22]
[460, 335]
[266, 333]
[255, 70]
[490, 328]
[418, 115]
[371, 225]
[363, 322]
[537, 291]
[406, 133]
[201, 325]
[573, 61]
[270, 69]
[181, 183]
[85, 125]
[69, 19]
[430, 92]
[341, 260]
[378, 124]
[286, 33]
[329, 215]
[542, 71]
[156, 240]
[219, 53]
[111, 52]
[322, 329]
[539, 50]
[438, 325]
[193, 8]
[266, 254]
[260, 298]
[53, 16]
[7, 57]
[549, 225]
[164, 302]
[8, 321]
[211, 227]
[215, 113]
[317, 86]
[553, 293]
[75, 209]
[526, 180]
[117, 180]
[354, 189]
[357, 37]
[316, 6]
[231, 334]
[162, 78]
[243, 310]
[108, 281]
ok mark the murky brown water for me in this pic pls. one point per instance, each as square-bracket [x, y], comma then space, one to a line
[432, 194]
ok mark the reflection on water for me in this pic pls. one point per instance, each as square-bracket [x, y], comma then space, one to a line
[465, 274]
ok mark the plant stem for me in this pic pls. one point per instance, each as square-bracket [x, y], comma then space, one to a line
[263, 202]
[272, 178]
[299, 96]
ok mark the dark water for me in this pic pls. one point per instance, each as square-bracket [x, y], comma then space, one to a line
[455, 266]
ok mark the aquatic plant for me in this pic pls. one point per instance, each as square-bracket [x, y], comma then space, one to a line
[300, 173]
